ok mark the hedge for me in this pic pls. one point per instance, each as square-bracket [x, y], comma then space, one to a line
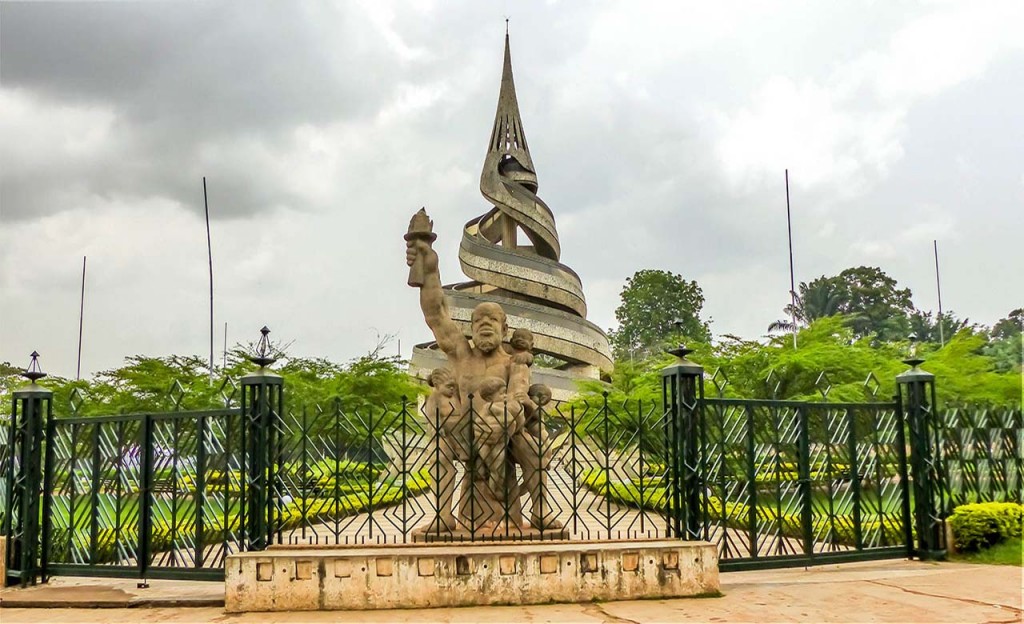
[981, 525]
[736, 514]
[110, 549]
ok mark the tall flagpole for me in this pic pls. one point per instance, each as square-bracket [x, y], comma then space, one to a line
[81, 318]
[209, 251]
[938, 290]
[792, 281]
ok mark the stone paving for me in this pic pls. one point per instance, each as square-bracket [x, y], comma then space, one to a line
[880, 591]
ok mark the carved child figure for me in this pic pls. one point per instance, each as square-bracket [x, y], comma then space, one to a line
[443, 411]
[540, 395]
[522, 347]
[442, 402]
[444, 415]
[496, 421]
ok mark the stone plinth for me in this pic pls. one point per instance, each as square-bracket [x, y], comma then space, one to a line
[434, 575]
[464, 536]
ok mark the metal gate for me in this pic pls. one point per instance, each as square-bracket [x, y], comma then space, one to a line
[143, 495]
[797, 483]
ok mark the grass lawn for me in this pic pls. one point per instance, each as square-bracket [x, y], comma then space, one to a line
[1010, 552]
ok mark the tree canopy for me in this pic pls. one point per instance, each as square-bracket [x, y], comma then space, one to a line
[867, 297]
[854, 369]
[167, 383]
[657, 307]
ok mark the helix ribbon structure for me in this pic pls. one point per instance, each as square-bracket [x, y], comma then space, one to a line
[534, 288]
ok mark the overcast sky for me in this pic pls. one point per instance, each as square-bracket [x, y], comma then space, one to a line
[660, 132]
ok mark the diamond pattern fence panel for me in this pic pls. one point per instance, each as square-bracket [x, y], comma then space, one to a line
[980, 451]
[381, 475]
[144, 495]
[791, 483]
[5, 467]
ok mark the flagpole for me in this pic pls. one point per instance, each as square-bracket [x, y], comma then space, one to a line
[209, 251]
[792, 281]
[938, 290]
[81, 319]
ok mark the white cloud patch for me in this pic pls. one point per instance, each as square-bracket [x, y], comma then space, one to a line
[660, 137]
[846, 129]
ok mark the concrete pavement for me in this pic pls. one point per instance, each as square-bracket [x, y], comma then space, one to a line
[879, 591]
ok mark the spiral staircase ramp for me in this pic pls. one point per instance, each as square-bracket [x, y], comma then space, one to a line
[534, 288]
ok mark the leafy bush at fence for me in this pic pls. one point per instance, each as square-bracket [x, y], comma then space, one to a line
[310, 510]
[980, 525]
[736, 514]
[114, 546]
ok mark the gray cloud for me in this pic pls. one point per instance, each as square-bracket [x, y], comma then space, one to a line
[660, 133]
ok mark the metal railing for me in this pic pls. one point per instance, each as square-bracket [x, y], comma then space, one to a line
[369, 476]
[792, 482]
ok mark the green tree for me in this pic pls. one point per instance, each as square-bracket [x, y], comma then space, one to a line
[164, 384]
[926, 326]
[1006, 343]
[817, 300]
[867, 297]
[874, 303]
[657, 307]
[1011, 326]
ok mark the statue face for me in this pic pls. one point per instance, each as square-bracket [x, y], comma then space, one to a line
[540, 397]
[447, 388]
[521, 340]
[488, 326]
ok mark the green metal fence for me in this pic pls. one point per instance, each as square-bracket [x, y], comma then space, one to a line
[981, 450]
[6, 469]
[796, 483]
[143, 495]
[773, 483]
[367, 475]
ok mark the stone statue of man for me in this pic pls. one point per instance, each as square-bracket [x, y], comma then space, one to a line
[473, 362]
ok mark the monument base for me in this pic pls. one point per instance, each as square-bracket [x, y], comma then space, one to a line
[448, 575]
[526, 534]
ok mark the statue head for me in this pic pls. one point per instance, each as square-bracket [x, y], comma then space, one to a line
[442, 380]
[540, 394]
[489, 326]
[492, 389]
[522, 340]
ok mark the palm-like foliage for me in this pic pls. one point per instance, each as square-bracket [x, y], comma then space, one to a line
[819, 299]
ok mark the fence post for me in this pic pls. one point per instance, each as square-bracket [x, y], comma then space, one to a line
[682, 385]
[916, 396]
[32, 407]
[262, 404]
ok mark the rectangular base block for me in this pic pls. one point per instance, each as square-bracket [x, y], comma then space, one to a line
[437, 575]
[527, 534]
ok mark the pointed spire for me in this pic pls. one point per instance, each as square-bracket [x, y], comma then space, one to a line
[508, 137]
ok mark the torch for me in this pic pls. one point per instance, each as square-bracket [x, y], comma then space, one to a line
[420, 228]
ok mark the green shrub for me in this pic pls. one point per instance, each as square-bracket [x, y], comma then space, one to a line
[980, 525]
[735, 514]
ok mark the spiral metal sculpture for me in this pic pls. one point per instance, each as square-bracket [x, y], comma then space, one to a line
[536, 291]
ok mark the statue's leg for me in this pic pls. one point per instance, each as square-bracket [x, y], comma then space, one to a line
[534, 459]
[442, 471]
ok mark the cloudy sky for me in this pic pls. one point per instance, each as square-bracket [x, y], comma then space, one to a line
[660, 132]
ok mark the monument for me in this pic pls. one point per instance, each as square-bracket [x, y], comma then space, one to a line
[482, 414]
[499, 539]
[511, 254]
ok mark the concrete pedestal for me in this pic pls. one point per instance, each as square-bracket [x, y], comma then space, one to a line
[435, 575]
[463, 536]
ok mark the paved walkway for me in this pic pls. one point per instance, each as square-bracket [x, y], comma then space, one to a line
[882, 591]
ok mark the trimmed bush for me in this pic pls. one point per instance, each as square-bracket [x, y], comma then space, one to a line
[735, 514]
[981, 525]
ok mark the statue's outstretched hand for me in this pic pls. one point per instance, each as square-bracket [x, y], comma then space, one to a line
[421, 248]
